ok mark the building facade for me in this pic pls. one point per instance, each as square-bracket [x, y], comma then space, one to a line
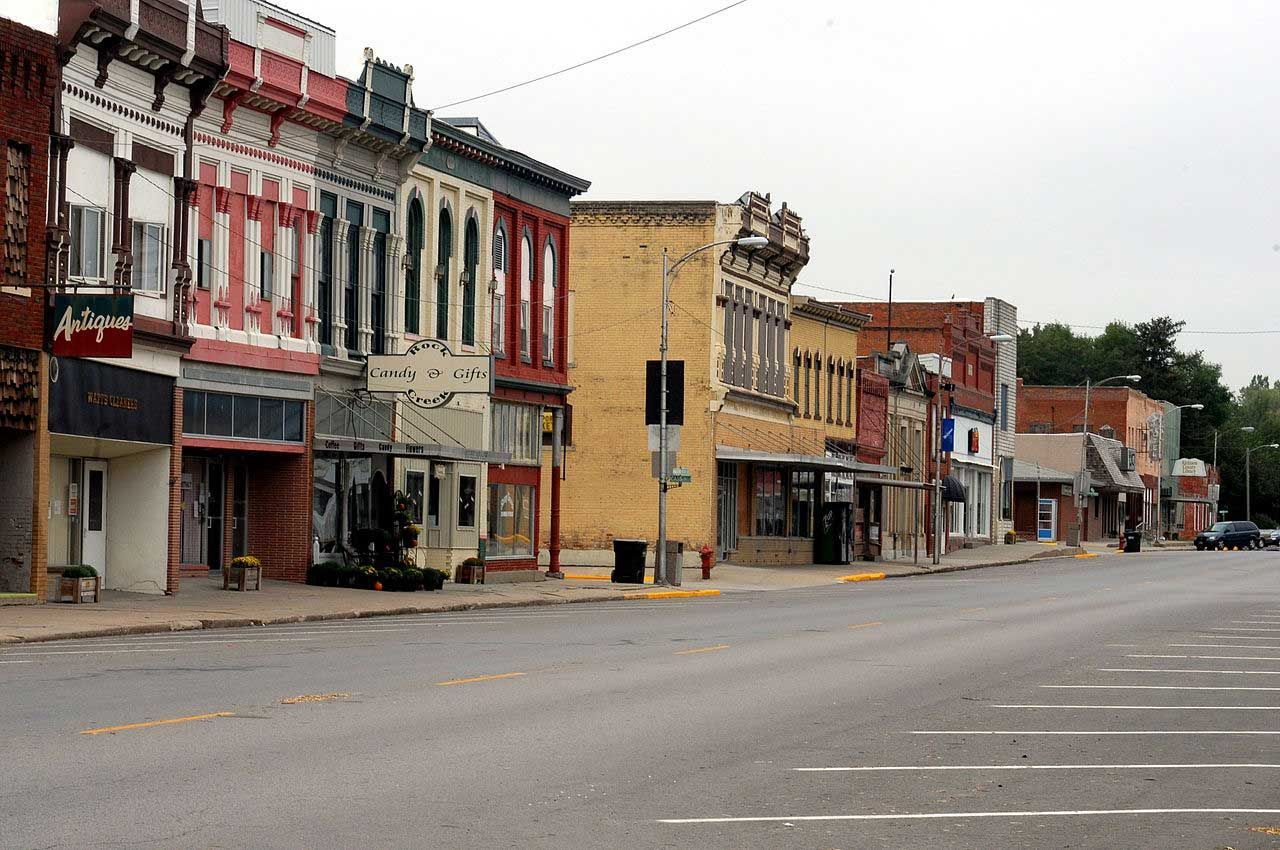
[1116, 413]
[910, 446]
[999, 317]
[953, 345]
[135, 78]
[26, 120]
[769, 384]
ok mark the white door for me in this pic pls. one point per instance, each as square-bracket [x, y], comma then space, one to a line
[1047, 520]
[94, 551]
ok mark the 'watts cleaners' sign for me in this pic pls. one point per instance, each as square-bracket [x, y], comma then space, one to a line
[93, 325]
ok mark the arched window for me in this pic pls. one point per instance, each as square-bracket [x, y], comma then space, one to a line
[549, 302]
[499, 295]
[526, 291]
[444, 253]
[471, 260]
[413, 269]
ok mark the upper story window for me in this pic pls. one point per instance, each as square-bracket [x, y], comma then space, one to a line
[499, 332]
[324, 280]
[413, 268]
[267, 270]
[355, 219]
[148, 257]
[526, 292]
[548, 303]
[378, 297]
[471, 260]
[444, 254]
[17, 183]
[88, 241]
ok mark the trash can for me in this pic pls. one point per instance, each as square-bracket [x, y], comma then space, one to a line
[628, 561]
[1132, 541]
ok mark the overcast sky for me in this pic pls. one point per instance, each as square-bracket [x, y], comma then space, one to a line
[1085, 161]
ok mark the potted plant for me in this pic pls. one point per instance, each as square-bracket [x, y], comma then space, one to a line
[433, 579]
[366, 576]
[412, 579]
[243, 573]
[79, 583]
[470, 571]
[390, 578]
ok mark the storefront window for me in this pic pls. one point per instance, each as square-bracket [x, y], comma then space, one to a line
[802, 502]
[415, 489]
[770, 502]
[325, 502]
[242, 416]
[511, 511]
[466, 501]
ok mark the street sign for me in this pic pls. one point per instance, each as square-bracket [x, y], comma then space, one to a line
[680, 475]
[653, 392]
[673, 438]
[948, 435]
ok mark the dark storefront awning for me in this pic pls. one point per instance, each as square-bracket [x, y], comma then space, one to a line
[835, 464]
[953, 490]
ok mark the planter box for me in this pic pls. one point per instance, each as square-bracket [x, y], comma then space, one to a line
[79, 590]
[468, 574]
[242, 578]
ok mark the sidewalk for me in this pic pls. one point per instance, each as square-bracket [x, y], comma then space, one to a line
[205, 605]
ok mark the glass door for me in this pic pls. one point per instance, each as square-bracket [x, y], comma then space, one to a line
[193, 511]
[214, 486]
[726, 508]
[1046, 521]
[239, 511]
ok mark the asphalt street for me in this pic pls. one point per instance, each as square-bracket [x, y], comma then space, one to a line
[1122, 701]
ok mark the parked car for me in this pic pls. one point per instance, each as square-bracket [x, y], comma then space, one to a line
[1271, 537]
[1230, 535]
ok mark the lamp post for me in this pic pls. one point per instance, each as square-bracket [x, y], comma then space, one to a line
[1160, 472]
[668, 272]
[1248, 455]
[1248, 429]
[1081, 486]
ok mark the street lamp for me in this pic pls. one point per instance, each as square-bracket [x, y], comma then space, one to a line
[1248, 455]
[1001, 337]
[1247, 429]
[668, 272]
[1082, 496]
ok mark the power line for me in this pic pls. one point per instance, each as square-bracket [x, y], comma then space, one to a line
[586, 62]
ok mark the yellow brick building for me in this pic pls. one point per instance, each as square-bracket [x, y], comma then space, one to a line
[756, 442]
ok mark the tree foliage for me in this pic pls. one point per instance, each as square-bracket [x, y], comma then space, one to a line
[1055, 354]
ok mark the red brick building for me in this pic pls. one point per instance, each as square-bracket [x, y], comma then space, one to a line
[965, 359]
[1117, 412]
[28, 91]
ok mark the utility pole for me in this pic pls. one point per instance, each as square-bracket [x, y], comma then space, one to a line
[660, 557]
[888, 331]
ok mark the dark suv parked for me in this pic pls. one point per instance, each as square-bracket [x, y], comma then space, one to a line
[1230, 535]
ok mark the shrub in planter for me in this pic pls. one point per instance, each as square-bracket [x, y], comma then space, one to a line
[321, 573]
[79, 571]
[390, 578]
[366, 576]
[411, 579]
[433, 579]
[470, 571]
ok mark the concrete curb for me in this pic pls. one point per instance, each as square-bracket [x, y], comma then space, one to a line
[863, 577]
[242, 622]
[956, 568]
[673, 594]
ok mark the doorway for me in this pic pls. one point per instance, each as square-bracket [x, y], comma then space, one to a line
[1047, 521]
[726, 508]
[94, 552]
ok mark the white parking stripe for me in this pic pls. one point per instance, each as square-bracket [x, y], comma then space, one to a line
[965, 815]
[1240, 629]
[931, 767]
[1157, 688]
[1088, 732]
[1183, 670]
[168, 647]
[1235, 637]
[1155, 707]
[1222, 646]
[1211, 657]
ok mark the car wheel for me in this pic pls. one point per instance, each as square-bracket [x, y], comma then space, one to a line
[1222, 545]
[1199, 546]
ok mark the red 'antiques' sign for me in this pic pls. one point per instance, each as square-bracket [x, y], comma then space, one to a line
[92, 325]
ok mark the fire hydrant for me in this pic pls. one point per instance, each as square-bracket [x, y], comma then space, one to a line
[708, 558]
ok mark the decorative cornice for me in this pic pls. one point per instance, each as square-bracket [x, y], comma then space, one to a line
[351, 183]
[101, 101]
[256, 153]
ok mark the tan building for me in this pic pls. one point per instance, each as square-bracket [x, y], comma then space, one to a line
[906, 515]
[768, 381]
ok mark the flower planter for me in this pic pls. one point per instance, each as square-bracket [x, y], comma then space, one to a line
[77, 590]
[242, 578]
[467, 574]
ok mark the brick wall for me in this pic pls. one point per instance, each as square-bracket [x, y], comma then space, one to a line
[617, 267]
[1060, 410]
[279, 510]
[26, 104]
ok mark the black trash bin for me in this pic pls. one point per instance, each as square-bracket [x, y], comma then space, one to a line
[628, 561]
[1133, 541]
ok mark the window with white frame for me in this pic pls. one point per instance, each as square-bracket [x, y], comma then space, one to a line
[499, 300]
[204, 263]
[499, 322]
[548, 303]
[526, 291]
[266, 267]
[148, 256]
[88, 237]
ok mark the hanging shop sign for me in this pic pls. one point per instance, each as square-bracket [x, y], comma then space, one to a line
[429, 374]
[1189, 467]
[92, 325]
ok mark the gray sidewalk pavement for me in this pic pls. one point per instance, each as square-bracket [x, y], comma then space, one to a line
[203, 604]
